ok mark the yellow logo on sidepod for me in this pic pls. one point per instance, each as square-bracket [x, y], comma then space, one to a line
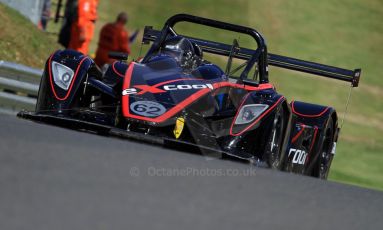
[180, 123]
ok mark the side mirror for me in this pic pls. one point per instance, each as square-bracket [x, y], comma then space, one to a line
[118, 56]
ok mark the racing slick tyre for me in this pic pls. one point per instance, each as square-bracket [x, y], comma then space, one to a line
[325, 157]
[274, 146]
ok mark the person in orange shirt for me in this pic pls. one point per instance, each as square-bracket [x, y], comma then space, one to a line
[83, 27]
[113, 38]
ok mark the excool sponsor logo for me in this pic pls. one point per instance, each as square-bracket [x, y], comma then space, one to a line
[142, 89]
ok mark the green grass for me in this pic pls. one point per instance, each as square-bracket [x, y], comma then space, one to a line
[21, 41]
[344, 33]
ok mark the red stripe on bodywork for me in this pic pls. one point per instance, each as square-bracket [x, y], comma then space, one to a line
[257, 120]
[125, 99]
[298, 134]
[305, 115]
[115, 70]
[177, 108]
[71, 84]
[314, 138]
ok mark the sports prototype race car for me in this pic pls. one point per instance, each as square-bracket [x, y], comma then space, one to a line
[175, 97]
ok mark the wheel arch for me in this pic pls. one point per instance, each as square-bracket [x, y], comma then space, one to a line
[55, 99]
[309, 124]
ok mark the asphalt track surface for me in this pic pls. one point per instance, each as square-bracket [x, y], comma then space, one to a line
[54, 178]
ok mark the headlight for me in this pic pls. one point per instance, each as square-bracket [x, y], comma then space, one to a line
[62, 75]
[249, 113]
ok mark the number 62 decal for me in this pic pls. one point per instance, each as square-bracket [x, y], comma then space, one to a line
[147, 108]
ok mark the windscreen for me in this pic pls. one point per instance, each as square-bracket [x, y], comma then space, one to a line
[231, 65]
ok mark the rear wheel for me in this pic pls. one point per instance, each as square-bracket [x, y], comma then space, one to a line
[273, 148]
[325, 156]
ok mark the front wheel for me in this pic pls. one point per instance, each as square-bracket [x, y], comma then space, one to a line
[274, 146]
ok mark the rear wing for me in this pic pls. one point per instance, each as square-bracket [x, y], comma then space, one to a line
[352, 76]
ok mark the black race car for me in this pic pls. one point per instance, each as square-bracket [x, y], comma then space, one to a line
[175, 97]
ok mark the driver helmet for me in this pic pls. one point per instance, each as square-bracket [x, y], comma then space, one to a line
[182, 50]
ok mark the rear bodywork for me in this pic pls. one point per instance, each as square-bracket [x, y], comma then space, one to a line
[202, 109]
